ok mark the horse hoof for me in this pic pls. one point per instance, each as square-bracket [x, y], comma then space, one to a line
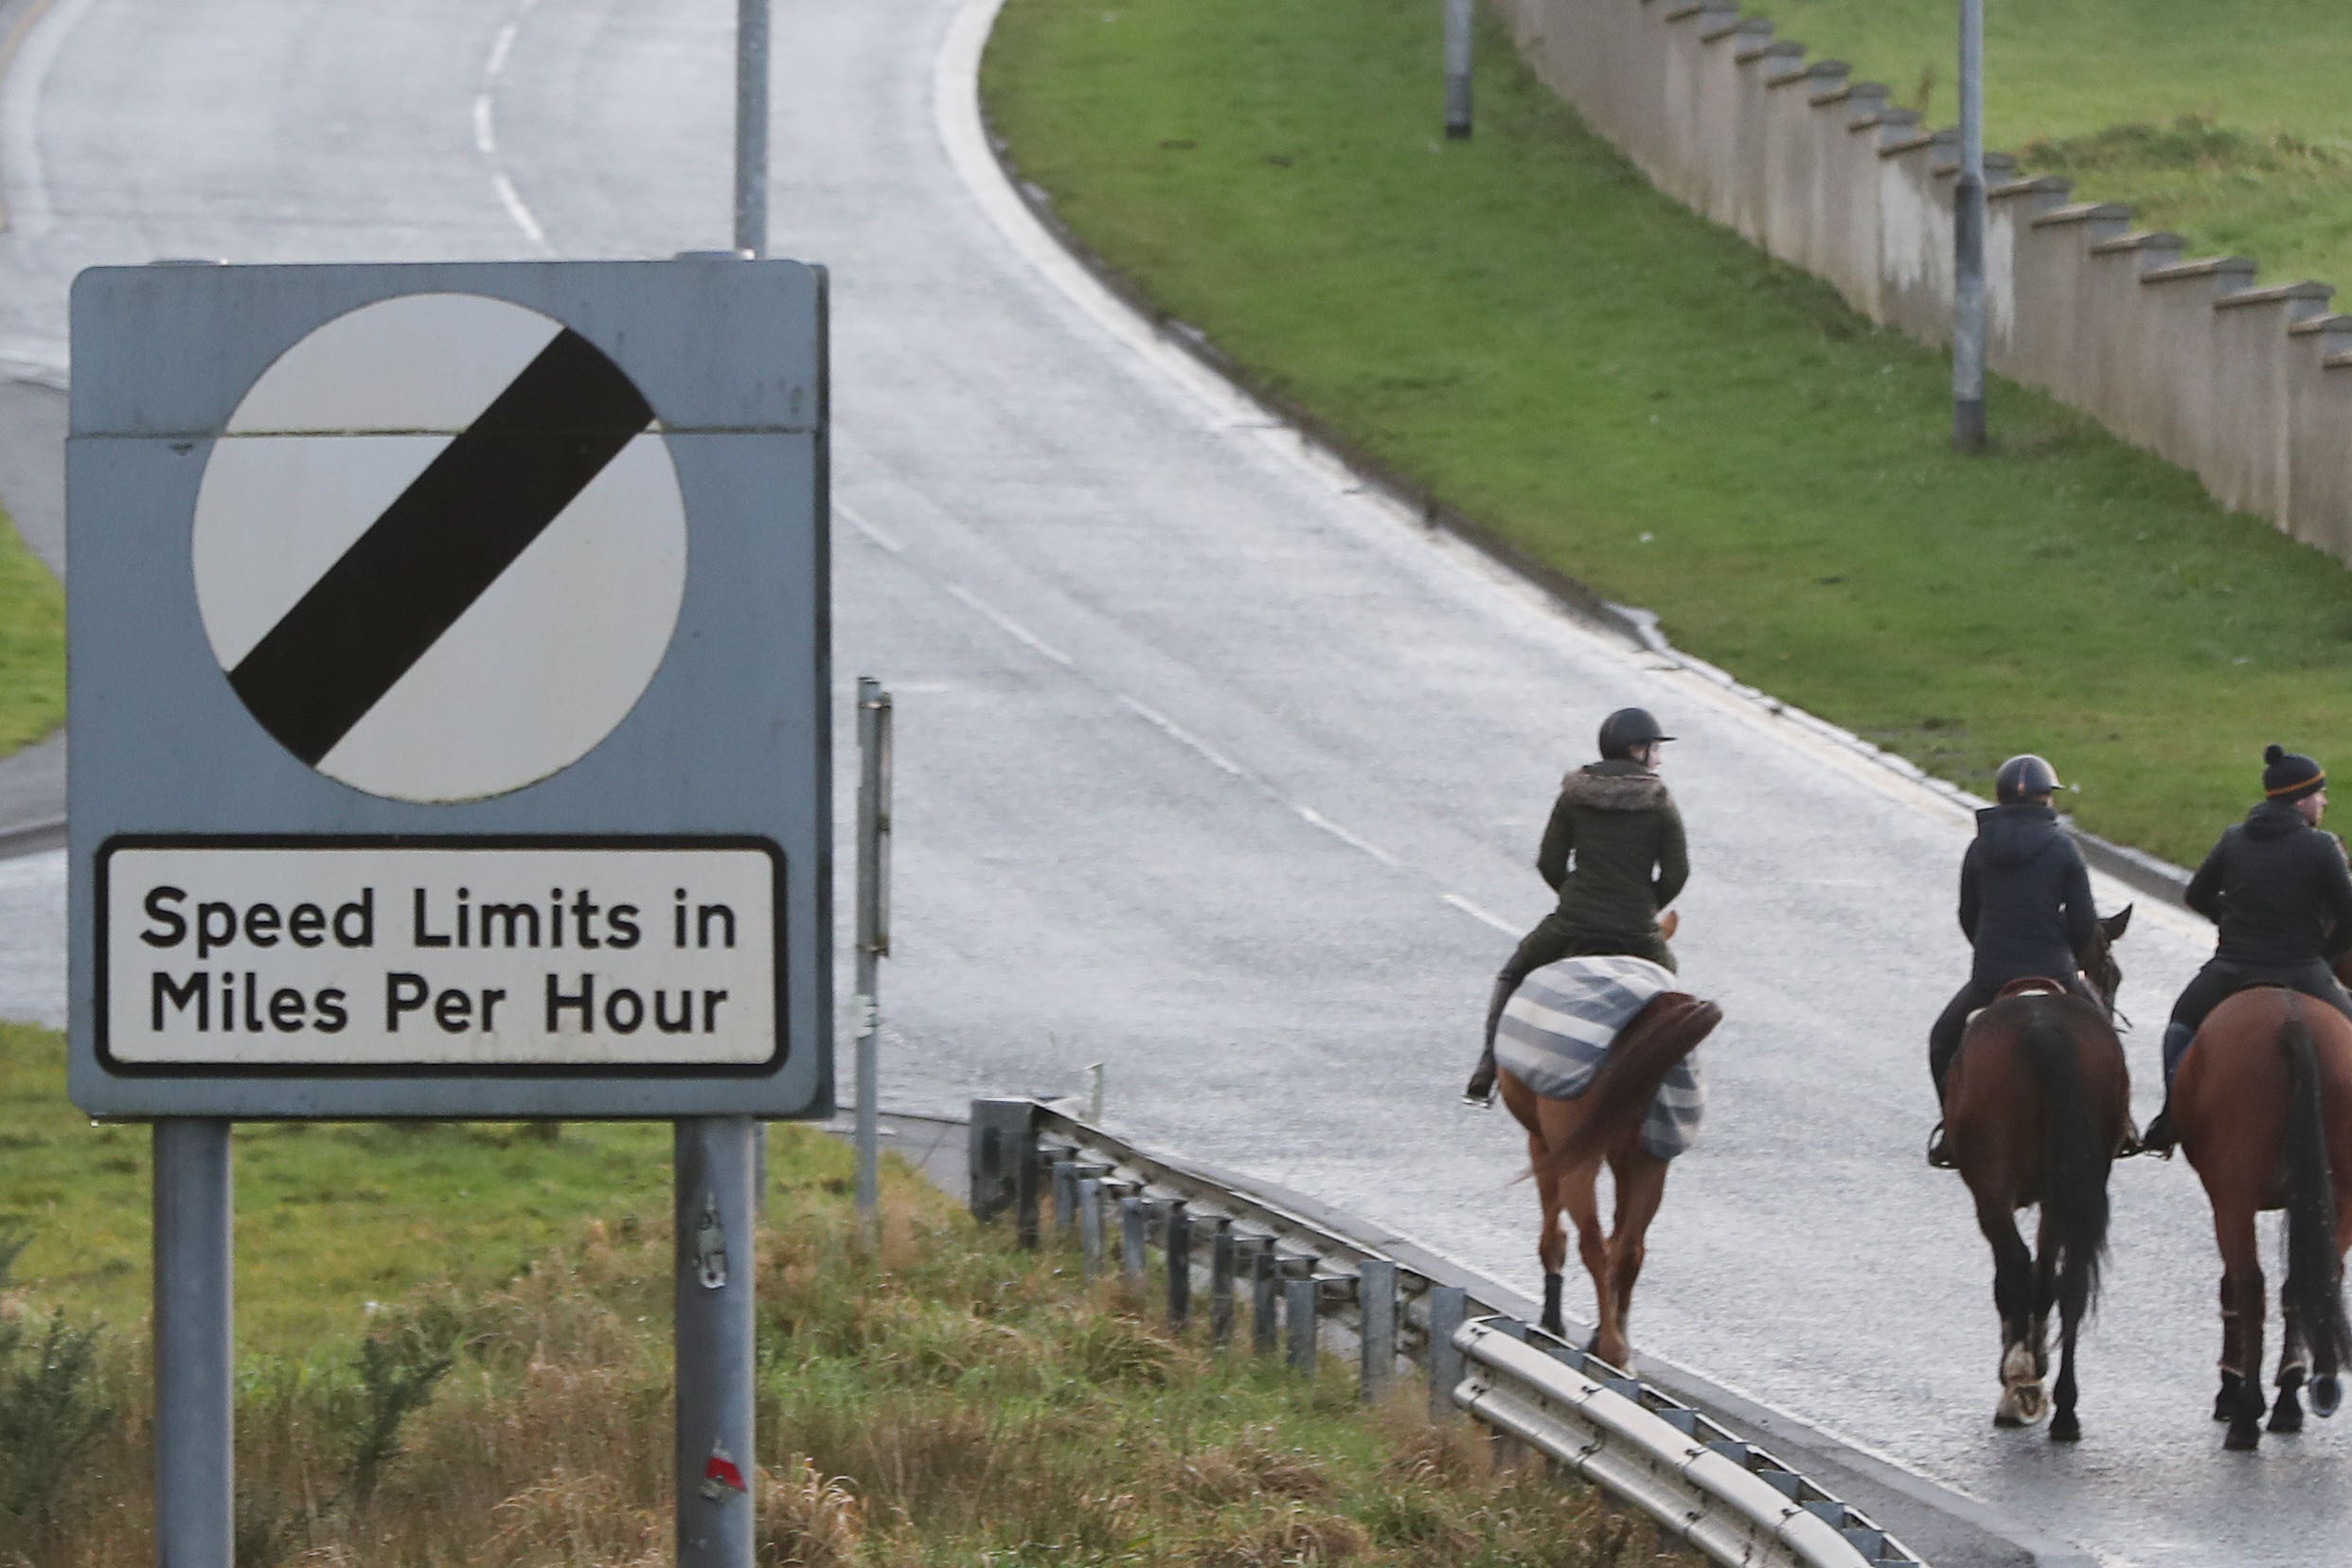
[2032, 1403]
[2326, 1394]
[2243, 1438]
[2286, 1415]
[2225, 1402]
[2005, 1420]
[2065, 1428]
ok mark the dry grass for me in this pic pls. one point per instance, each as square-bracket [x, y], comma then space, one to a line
[946, 1399]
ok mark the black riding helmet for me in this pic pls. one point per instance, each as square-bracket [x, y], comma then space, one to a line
[1627, 728]
[2023, 778]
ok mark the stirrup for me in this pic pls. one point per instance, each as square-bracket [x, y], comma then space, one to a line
[1937, 1155]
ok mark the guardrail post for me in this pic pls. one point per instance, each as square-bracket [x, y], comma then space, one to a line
[1003, 1150]
[1065, 1196]
[1448, 1305]
[1376, 1301]
[1265, 1299]
[1298, 1312]
[1090, 1225]
[1179, 1251]
[1221, 1283]
[1131, 1226]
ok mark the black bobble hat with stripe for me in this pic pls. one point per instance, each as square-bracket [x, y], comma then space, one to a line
[2288, 775]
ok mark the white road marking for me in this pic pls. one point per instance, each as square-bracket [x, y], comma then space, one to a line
[1182, 736]
[1012, 626]
[1482, 915]
[485, 132]
[859, 521]
[33, 46]
[1317, 819]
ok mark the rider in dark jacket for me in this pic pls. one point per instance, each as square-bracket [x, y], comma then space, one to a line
[2280, 891]
[1614, 852]
[2025, 907]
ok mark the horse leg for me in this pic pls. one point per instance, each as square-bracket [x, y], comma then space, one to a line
[2294, 1366]
[2064, 1426]
[1641, 1187]
[2327, 1390]
[2013, 1298]
[1580, 1195]
[2243, 1303]
[1552, 1246]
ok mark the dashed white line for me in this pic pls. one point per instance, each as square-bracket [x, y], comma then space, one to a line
[499, 47]
[1182, 736]
[857, 521]
[1013, 628]
[485, 138]
[521, 214]
[1317, 819]
[1482, 915]
[485, 132]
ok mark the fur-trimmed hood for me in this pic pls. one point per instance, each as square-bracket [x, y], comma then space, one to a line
[1615, 786]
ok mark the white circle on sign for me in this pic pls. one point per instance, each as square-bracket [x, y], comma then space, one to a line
[440, 548]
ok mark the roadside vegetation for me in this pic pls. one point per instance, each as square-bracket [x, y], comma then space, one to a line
[2230, 124]
[1521, 326]
[504, 1395]
[32, 644]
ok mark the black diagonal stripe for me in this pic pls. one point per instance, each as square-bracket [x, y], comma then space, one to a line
[436, 549]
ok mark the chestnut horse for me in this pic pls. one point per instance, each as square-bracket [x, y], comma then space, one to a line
[1568, 1141]
[2263, 1104]
[2036, 1105]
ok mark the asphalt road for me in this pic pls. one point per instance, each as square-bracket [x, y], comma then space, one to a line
[1210, 769]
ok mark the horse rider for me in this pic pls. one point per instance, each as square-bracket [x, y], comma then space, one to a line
[1613, 852]
[2024, 906]
[2280, 892]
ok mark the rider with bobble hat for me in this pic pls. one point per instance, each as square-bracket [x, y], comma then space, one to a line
[1614, 853]
[2025, 907]
[2280, 892]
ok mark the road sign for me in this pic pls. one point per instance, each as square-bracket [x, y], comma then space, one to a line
[448, 667]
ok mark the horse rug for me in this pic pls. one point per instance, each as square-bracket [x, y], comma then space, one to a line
[1557, 1029]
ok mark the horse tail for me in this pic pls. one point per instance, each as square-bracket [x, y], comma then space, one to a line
[1650, 1048]
[2313, 1293]
[2075, 1159]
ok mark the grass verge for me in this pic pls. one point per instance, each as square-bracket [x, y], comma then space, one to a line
[2231, 128]
[32, 644]
[945, 1399]
[1522, 326]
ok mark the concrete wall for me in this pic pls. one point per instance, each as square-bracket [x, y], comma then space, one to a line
[2249, 386]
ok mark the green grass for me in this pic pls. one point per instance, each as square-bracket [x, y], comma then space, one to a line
[32, 644]
[1522, 325]
[941, 1397]
[2232, 124]
[330, 1216]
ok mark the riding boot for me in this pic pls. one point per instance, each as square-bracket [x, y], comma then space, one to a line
[2159, 1136]
[1480, 1090]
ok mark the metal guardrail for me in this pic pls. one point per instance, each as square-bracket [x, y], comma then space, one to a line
[1307, 1283]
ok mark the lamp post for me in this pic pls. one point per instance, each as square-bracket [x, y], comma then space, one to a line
[1968, 235]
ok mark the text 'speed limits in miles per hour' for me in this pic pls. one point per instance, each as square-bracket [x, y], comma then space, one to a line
[529, 955]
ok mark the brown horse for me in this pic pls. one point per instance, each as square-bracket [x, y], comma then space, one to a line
[2263, 1103]
[1568, 1141]
[2036, 1105]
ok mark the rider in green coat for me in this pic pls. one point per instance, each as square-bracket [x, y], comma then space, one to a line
[1614, 852]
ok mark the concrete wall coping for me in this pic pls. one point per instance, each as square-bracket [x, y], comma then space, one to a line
[1786, 48]
[1872, 118]
[2339, 361]
[1998, 166]
[2204, 266]
[1820, 70]
[1734, 25]
[1846, 92]
[1901, 145]
[2084, 212]
[2277, 294]
[1689, 8]
[2040, 184]
[2319, 324]
[2139, 240]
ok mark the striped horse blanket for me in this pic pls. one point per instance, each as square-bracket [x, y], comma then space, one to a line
[1558, 1027]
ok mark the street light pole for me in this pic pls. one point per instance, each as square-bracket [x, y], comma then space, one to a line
[1968, 234]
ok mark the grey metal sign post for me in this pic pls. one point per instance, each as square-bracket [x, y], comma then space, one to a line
[873, 937]
[1967, 229]
[449, 664]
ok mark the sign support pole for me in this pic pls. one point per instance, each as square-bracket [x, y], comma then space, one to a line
[1967, 229]
[715, 1341]
[873, 939]
[195, 1468]
[750, 237]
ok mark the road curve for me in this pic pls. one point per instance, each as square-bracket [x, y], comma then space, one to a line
[1210, 769]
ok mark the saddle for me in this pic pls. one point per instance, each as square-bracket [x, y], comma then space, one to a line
[2032, 984]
